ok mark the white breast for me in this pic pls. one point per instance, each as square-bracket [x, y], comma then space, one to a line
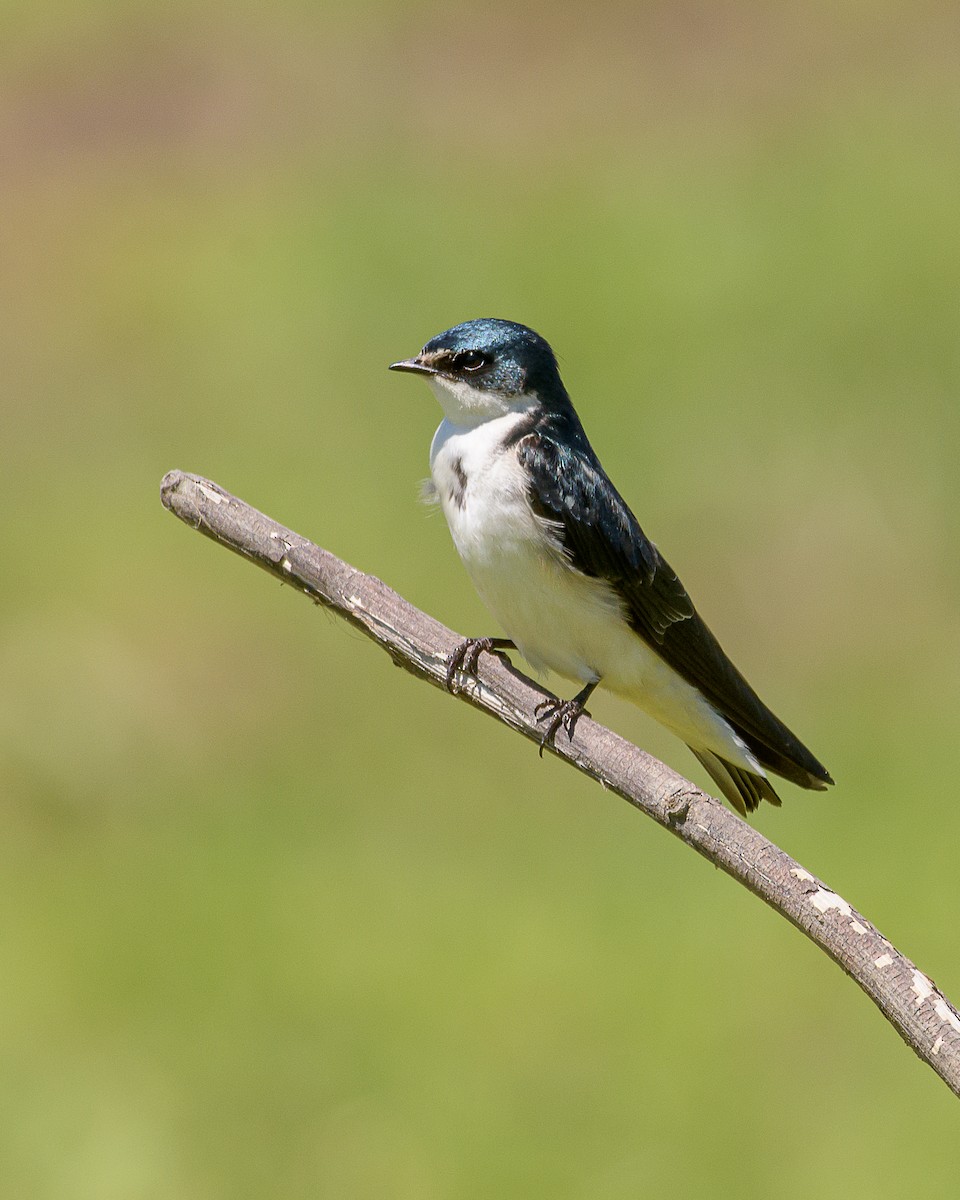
[483, 493]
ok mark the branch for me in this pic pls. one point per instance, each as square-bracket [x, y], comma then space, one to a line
[917, 1009]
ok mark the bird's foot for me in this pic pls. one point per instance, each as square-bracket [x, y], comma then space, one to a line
[466, 657]
[562, 714]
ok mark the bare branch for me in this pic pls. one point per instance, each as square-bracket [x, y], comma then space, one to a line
[910, 1001]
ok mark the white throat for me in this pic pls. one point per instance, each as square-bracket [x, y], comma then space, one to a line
[466, 406]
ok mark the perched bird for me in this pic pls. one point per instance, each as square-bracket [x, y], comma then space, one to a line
[562, 563]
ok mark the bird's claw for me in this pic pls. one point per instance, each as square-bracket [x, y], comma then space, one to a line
[466, 658]
[562, 714]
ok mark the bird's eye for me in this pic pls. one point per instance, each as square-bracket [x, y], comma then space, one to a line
[470, 361]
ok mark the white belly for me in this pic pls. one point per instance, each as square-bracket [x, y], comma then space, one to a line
[559, 619]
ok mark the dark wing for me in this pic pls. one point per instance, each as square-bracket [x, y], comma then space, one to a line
[603, 538]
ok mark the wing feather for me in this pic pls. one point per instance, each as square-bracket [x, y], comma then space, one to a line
[603, 538]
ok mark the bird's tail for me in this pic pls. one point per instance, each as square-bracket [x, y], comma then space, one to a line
[744, 789]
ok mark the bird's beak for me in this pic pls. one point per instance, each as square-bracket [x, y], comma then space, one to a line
[414, 365]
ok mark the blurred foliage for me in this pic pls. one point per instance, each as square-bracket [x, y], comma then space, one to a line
[275, 920]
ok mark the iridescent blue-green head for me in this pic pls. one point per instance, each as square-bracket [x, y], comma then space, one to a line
[482, 369]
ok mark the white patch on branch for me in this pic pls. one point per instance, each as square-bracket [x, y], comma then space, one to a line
[858, 928]
[946, 1013]
[210, 494]
[883, 961]
[800, 873]
[924, 990]
[823, 900]
[922, 986]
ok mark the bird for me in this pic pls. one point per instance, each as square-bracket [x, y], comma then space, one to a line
[562, 564]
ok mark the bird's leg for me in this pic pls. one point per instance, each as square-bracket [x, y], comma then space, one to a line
[563, 713]
[467, 655]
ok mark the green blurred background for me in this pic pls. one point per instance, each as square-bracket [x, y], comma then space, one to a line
[277, 920]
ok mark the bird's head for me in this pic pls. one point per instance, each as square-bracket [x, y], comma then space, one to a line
[483, 369]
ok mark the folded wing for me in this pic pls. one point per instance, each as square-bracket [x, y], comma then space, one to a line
[603, 538]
